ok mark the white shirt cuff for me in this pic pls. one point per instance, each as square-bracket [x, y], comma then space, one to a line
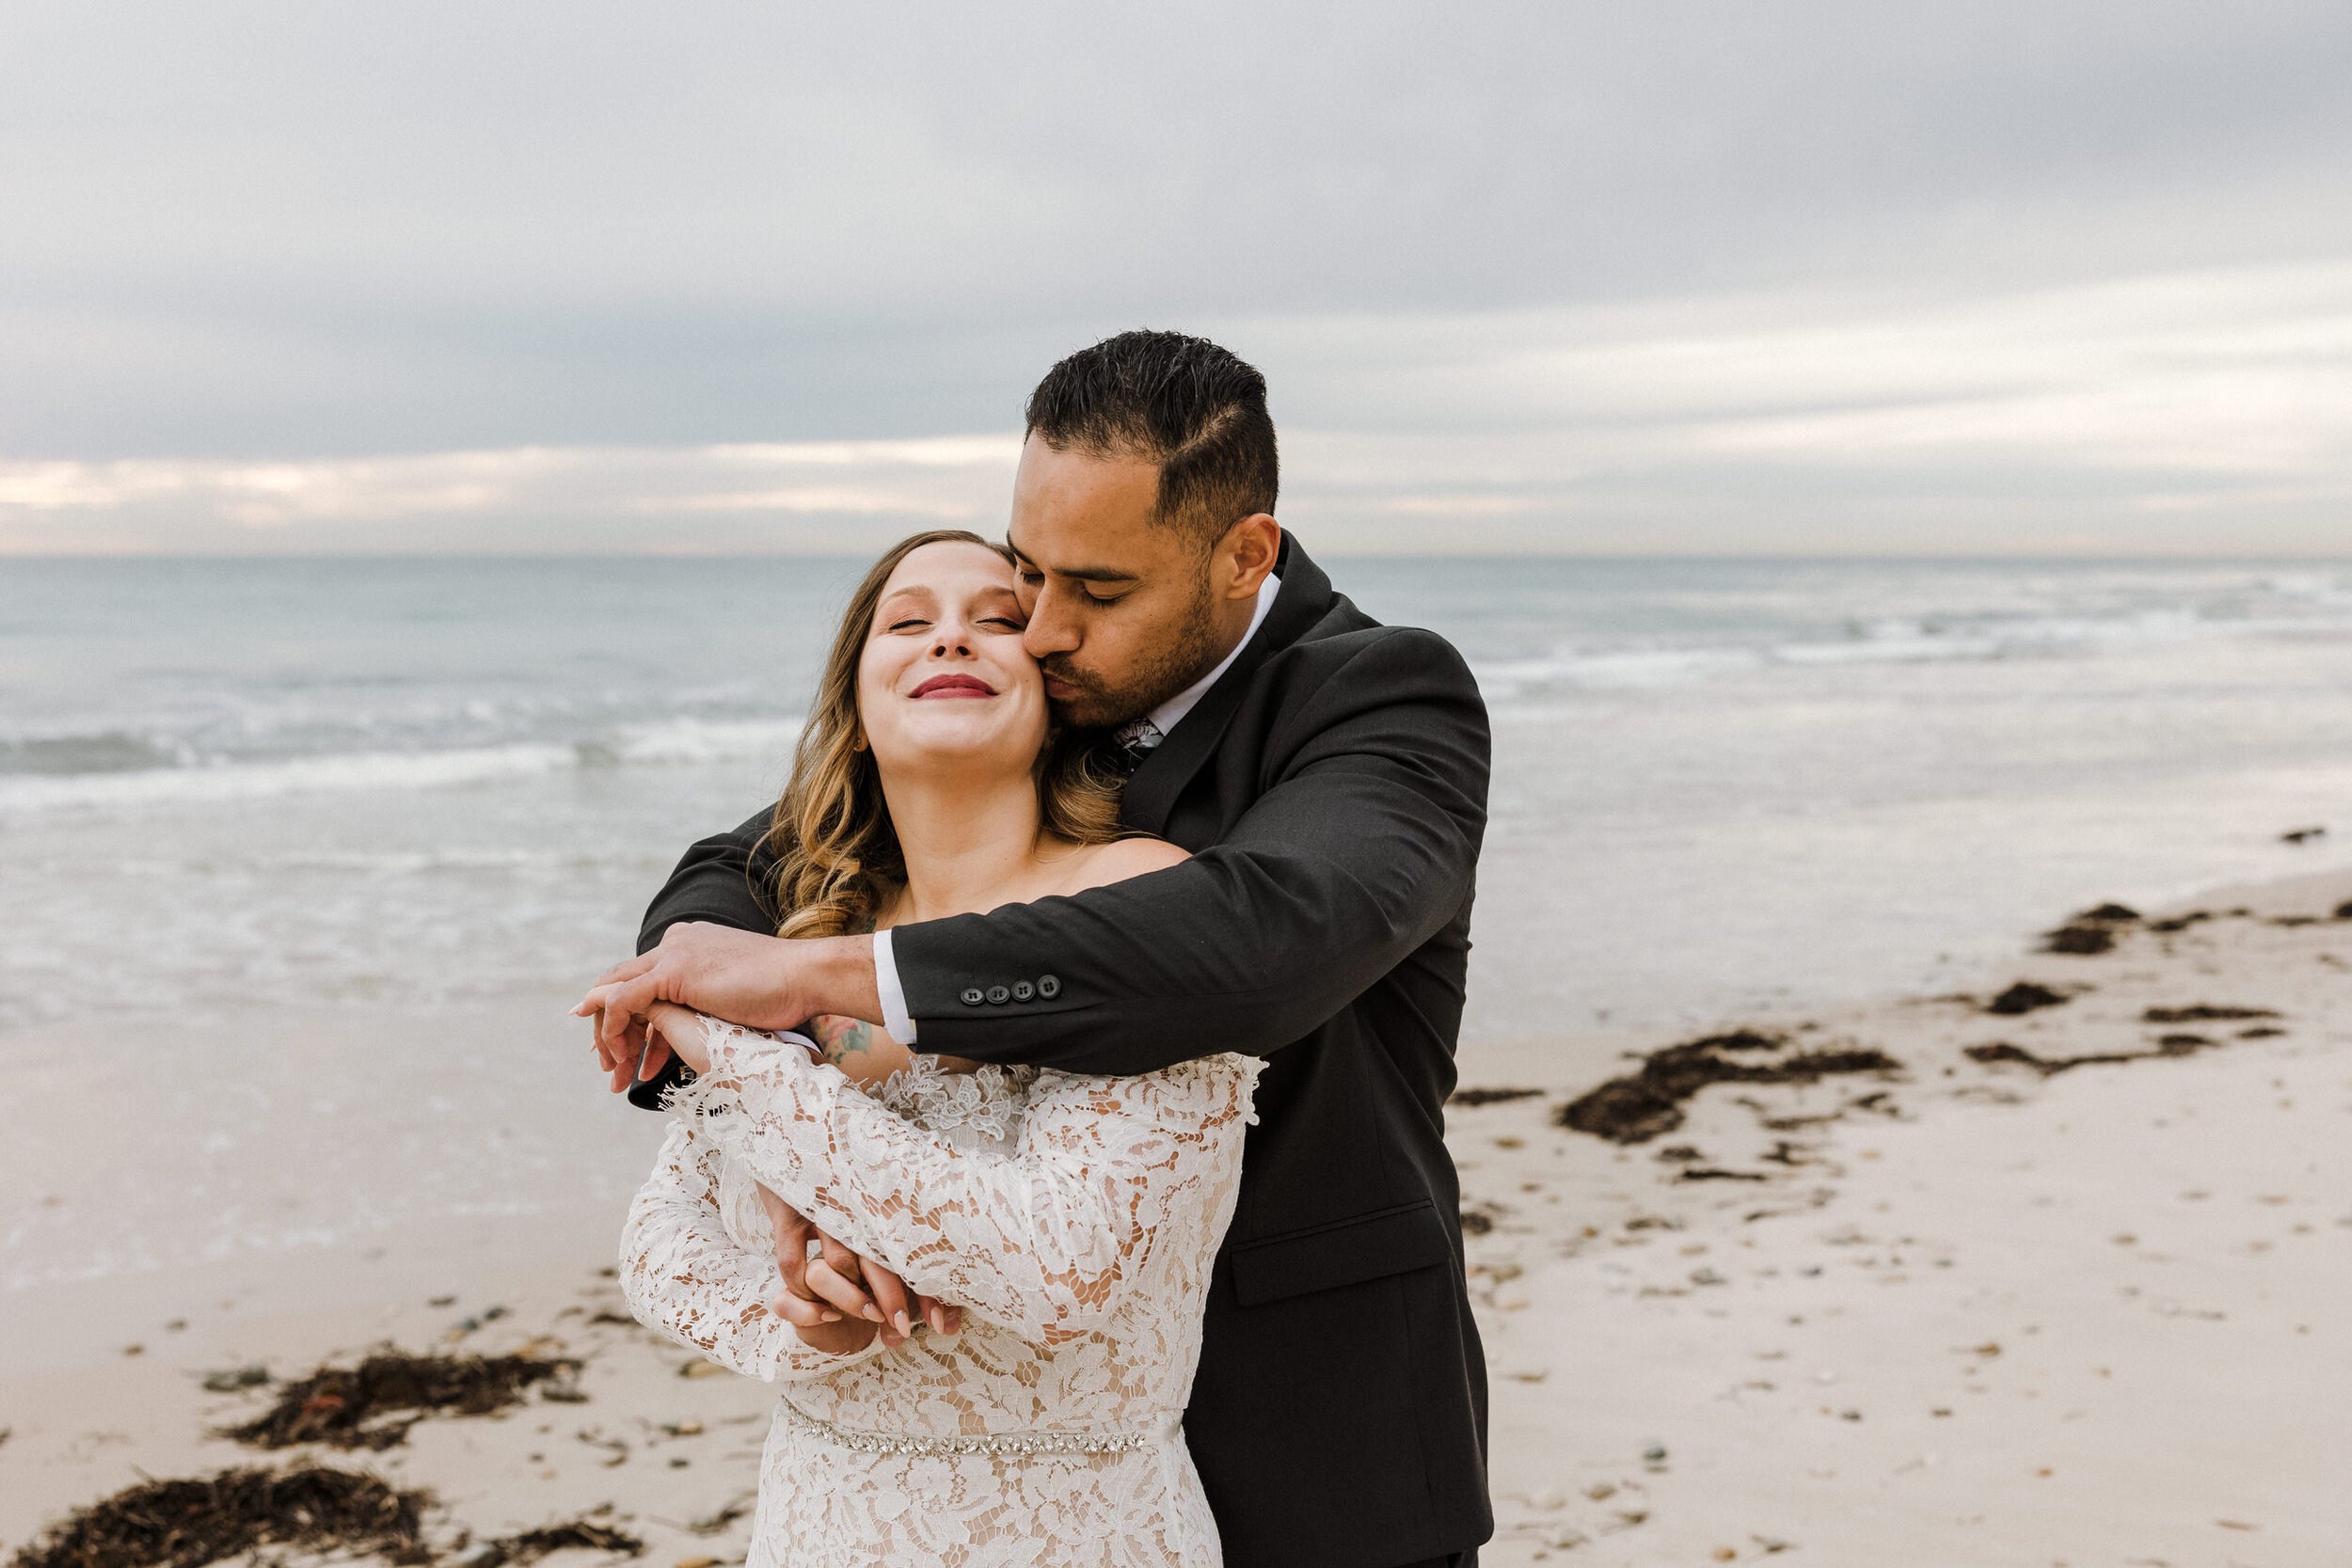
[894, 996]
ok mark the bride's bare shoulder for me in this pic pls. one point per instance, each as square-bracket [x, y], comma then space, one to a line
[1100, 865]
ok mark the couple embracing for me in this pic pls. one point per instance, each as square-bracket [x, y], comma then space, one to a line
[1057, 1072]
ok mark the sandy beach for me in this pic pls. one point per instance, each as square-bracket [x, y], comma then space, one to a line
[2041, 1273]
[1968, 1312]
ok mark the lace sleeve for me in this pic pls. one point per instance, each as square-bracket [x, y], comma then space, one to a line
[1040, 1241]
[684, 1276]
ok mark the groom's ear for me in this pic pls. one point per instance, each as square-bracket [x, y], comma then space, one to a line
[1247, 553]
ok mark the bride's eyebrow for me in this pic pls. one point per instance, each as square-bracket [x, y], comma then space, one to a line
[914, 598]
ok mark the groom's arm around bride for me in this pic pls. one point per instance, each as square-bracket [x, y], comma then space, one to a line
[1329, 774]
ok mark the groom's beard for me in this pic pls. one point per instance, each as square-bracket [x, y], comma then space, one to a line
[1105, 698]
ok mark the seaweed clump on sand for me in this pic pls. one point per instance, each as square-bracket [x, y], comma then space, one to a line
[374, 1404]
[2024, 997]
[2002, 1051]
[2091, 933]
[1641, 1106]
[1488, 1096]
[2202, 1012]
[185, 1524]
[533, 1544]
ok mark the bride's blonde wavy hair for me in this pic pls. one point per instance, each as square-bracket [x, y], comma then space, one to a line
[834, 854]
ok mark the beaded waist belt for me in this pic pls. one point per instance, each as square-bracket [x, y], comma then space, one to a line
[1005, 1444]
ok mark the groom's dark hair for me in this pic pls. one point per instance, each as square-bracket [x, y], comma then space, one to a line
[1196, 409]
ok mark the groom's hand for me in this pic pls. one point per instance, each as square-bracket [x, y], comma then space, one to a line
[712, 969]
[760, 982]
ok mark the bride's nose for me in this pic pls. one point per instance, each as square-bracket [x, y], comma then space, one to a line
[951, 642]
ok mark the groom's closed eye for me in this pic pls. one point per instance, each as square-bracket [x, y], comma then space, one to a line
[1089, 595]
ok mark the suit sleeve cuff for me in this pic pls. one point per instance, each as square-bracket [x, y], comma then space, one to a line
[893, 997]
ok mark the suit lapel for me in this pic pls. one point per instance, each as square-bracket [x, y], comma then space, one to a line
[1304, 599]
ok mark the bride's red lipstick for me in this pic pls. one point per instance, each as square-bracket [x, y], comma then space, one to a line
[954, 686]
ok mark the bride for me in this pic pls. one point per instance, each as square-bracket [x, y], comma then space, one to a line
[1074, 1218]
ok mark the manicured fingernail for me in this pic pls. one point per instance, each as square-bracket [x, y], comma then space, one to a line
[874, 1312]
[833, 1316]
[903, 1326]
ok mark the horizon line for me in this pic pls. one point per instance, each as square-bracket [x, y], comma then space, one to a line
[1326, 554]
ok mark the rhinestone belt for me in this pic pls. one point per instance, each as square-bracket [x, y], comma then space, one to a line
[1010, 1444]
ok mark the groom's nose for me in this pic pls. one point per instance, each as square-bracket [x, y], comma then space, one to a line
[1054, 627]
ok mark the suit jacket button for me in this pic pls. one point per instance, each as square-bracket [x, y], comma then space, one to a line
[1023, 990]
[973, 996]
[999, 995]
[1047, 986]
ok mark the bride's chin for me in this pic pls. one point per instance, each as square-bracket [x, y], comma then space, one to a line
[971, 759]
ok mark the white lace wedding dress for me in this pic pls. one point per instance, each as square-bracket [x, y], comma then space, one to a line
[1073, 1218]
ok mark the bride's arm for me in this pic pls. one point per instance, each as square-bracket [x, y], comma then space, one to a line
[684, 1276]
[1043, 1241]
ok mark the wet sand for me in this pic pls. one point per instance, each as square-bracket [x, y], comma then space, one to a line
[1972, 1311]
[1936, 1304]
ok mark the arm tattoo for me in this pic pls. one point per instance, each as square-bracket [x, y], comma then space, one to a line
[842, 1038]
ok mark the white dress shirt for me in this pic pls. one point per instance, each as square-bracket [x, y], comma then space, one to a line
[1162, 719]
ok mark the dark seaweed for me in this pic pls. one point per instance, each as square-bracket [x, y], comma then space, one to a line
[2024, 997]
[1640, 1106]
[183, 1524]
[533, 1544]
[2081, 941]
[2002, 1051]
[2202, 1012]
[1488, 1096]
[374, 1404]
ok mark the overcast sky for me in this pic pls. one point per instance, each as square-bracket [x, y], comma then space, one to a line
[1724, 277]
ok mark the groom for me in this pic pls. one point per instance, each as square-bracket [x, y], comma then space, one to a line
[1330, 775]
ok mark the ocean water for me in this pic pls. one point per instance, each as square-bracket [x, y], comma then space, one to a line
[371, 783]
[300, 861]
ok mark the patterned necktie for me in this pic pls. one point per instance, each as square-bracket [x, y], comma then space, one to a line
[1137, 740]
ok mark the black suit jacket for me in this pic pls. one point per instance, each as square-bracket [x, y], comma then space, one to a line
[1332, 787]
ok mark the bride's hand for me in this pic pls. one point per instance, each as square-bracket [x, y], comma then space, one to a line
[821, 1326]
[839, 1285]
[672, 1028]
[638, 1047]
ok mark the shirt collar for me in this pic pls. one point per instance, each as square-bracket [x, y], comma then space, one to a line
[1171, 713]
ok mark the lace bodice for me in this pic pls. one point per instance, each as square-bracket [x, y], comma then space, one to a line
[1074, 1220]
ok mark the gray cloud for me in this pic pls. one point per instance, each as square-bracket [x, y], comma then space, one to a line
[1602, 241]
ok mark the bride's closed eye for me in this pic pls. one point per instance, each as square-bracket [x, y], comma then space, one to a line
[1008, 622]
